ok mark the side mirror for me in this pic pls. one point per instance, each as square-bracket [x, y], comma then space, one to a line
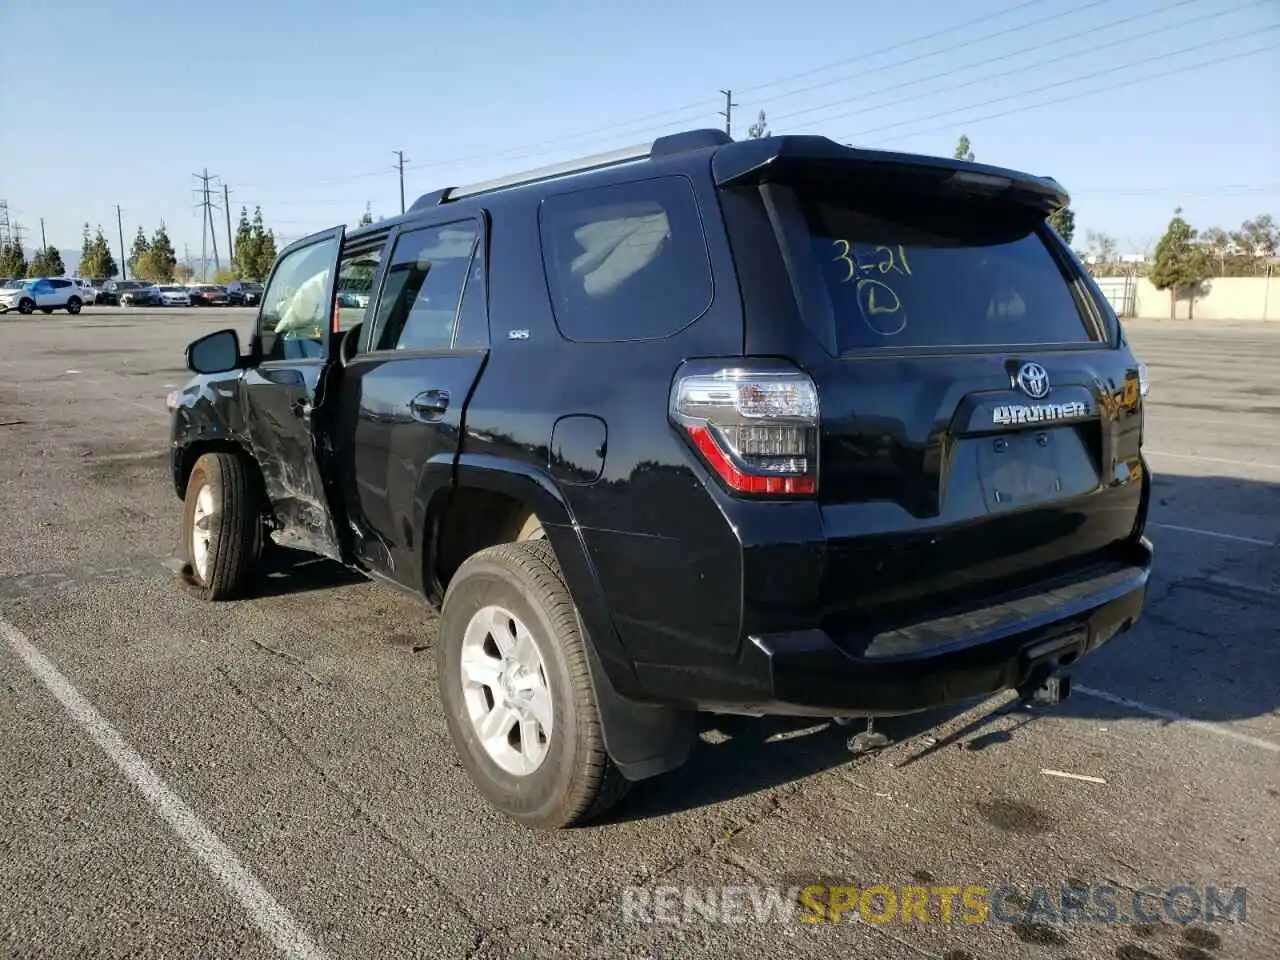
[214, 353]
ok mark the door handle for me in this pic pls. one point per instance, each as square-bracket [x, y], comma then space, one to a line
[430, 404]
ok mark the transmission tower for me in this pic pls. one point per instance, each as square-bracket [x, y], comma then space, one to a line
[208, 229]
[6, 234]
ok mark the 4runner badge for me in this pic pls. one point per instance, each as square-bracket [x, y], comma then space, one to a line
[1039, 413]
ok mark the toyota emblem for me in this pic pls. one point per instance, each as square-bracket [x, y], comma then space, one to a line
[1033, 380]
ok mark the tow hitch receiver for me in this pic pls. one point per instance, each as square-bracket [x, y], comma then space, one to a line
[1053, 689]
[1049, 681]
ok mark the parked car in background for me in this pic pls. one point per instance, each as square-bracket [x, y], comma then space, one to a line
[174, 295]
[45, 294]
[144, 295]
[88, 289]
[113, 290]
[208, 295]
[244, 293]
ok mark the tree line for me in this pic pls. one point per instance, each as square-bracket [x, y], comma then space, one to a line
[1184, 257]
[45, 263]
[151, 258]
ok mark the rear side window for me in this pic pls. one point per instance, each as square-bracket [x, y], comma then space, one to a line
[626, 262]
[907, 271]
[418, 308]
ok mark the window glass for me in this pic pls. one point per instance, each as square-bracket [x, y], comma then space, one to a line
[927, 271]
[354, 288]
[473, 317]
[626, 262]
[296, 314]
[425, 276]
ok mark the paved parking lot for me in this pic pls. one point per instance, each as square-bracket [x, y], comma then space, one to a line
[274, 777]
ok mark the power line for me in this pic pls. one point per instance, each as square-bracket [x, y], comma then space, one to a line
[1008, 56]
[1069, 97]
[1062, 83]
[702, 106]
[937, 53]
[898, 46]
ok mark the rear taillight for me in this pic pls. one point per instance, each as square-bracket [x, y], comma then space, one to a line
[754, 423]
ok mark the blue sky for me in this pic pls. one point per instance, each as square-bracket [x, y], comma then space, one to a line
[297, 106]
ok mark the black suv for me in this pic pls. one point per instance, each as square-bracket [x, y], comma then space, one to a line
[241, 293]
[773, 426]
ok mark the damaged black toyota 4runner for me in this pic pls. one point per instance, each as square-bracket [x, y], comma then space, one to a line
[769, 427]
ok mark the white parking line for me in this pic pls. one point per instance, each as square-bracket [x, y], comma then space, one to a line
[1179, 718]
[1192, 456]
[266, 912]
[1212, 533]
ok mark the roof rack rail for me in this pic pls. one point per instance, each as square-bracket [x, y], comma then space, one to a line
[662, 146]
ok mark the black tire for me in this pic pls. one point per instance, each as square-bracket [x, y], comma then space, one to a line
[26, 306]
[46, 310]
[234, 540]
[576, 782]
[73, 305]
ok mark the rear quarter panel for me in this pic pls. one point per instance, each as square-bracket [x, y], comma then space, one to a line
[666, 561]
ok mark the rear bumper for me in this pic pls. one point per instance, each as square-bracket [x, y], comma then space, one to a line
[1012, 644]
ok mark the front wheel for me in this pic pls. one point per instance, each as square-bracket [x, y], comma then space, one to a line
[220, 526]
[73, 305]
[517, 691]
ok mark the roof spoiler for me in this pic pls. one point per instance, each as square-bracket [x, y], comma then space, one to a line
[758, 161]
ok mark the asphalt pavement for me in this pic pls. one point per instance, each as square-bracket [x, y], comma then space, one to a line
[273, 777]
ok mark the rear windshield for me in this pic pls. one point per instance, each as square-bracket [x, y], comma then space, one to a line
[935, 271]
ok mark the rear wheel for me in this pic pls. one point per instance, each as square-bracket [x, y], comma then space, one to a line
[73, 305]
[517, 690]
[220, 526]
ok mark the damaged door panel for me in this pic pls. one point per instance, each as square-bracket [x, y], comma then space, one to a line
[285, 393]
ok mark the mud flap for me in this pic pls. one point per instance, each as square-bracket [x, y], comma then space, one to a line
[642, 739]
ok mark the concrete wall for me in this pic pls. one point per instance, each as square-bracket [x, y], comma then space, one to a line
[1223, 298]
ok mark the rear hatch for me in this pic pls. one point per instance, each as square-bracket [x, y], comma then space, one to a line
[980, 416]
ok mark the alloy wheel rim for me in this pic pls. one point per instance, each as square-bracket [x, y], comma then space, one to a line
[505, 690]
[202, 532]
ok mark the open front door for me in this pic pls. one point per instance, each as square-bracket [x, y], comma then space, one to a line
[285, 393]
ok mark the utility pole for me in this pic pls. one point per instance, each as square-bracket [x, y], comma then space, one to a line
[400, 166]
[226, 206]
[206, 223]
[727, 112]
[124, 265]
[43, 243]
